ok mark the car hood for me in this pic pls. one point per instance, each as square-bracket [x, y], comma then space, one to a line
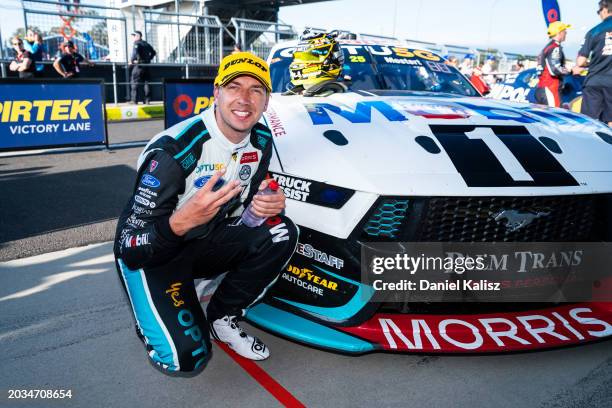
[409, 143]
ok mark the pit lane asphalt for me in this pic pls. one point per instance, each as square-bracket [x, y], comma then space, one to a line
[65, 323]
[57, 201]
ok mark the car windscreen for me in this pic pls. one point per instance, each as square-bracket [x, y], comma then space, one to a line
[418, 70]
[384, 67]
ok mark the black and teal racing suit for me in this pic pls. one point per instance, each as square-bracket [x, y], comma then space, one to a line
[157, 267]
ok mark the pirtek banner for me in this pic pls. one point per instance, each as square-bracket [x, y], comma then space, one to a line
[184, 98]
[48, 113]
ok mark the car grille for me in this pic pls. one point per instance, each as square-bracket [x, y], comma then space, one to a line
[472, 219]
[387, 219]
[576, 218]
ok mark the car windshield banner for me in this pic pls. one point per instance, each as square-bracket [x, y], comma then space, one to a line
[184, 98]
[51, 113]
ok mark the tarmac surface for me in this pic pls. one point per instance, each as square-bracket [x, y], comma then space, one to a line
[65, 322]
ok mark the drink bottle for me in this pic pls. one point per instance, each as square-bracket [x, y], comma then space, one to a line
[248, 217]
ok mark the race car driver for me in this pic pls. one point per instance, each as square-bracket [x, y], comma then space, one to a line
[316, 69]
[181, 223]
[551, 64]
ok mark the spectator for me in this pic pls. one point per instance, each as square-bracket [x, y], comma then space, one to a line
[34, 44]
[142, 53]
[551, 64]
[467, 65]
[487, 70]
[478, 82]
[597, 91]
[236, 49]
[452, 60]
[518, 67]
[68, 64]
[23, 63]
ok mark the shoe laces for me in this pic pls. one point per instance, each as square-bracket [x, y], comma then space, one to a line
[234, 325]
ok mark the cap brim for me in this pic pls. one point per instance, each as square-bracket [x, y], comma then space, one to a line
[229, 78]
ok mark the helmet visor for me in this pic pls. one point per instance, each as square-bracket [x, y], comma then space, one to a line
[311, 55]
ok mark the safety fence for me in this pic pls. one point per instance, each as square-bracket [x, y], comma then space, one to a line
[186, 43]
[184, 38]
[260, 36]
[116, 76]
[98, 32]
[101, 33]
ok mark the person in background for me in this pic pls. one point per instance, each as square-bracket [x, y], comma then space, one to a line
[487, 70]
[452, 60]
[34, 44]
[23, 63]
[236, 49]
[142, 53]
[551, 63]
[478, 82]
[597, 46]
[68, 65]
[467, 65]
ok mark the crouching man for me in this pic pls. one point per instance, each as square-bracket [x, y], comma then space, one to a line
[182, 222]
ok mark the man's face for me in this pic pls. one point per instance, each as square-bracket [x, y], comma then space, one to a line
[240, 105]
[562, 35]
[135, 37]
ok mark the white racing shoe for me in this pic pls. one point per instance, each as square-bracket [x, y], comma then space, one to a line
[229, 332]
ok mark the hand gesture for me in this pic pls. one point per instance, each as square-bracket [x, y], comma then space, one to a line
[203, 205]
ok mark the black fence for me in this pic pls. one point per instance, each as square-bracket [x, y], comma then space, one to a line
[116, 76]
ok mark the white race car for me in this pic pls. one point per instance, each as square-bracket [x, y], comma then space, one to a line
[413, 153]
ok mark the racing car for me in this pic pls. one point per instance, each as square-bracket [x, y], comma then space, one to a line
[410, 152]
[521, 87]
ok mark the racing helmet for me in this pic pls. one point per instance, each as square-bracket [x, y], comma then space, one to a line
[317, 58]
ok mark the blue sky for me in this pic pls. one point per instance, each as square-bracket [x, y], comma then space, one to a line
[510, 25]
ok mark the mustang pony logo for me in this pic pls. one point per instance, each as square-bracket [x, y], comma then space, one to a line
[515, 220]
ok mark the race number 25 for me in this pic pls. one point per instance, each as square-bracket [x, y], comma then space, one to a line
[500, 156]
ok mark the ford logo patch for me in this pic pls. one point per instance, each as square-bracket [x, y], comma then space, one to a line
[149, 180]
[200, 181]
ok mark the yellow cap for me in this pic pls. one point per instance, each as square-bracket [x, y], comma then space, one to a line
[243, 63]
[556, 27]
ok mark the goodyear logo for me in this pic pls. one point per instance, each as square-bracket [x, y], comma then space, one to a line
[306, 274]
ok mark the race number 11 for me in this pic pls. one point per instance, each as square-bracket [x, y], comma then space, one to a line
[500, 156]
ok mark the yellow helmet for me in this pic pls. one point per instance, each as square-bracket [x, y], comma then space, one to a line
[317, 58]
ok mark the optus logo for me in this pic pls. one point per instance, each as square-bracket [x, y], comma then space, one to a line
[184, 105]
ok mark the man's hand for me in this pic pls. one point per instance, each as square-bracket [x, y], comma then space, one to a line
[577, 70]
[14, 65]
[268, 205]
[203, 205]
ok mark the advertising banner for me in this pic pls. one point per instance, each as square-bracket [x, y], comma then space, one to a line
[551, 11]
[51, 113]
[184, 98]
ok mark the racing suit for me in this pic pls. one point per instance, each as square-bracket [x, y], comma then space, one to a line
[157, 267]
[551, 62]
